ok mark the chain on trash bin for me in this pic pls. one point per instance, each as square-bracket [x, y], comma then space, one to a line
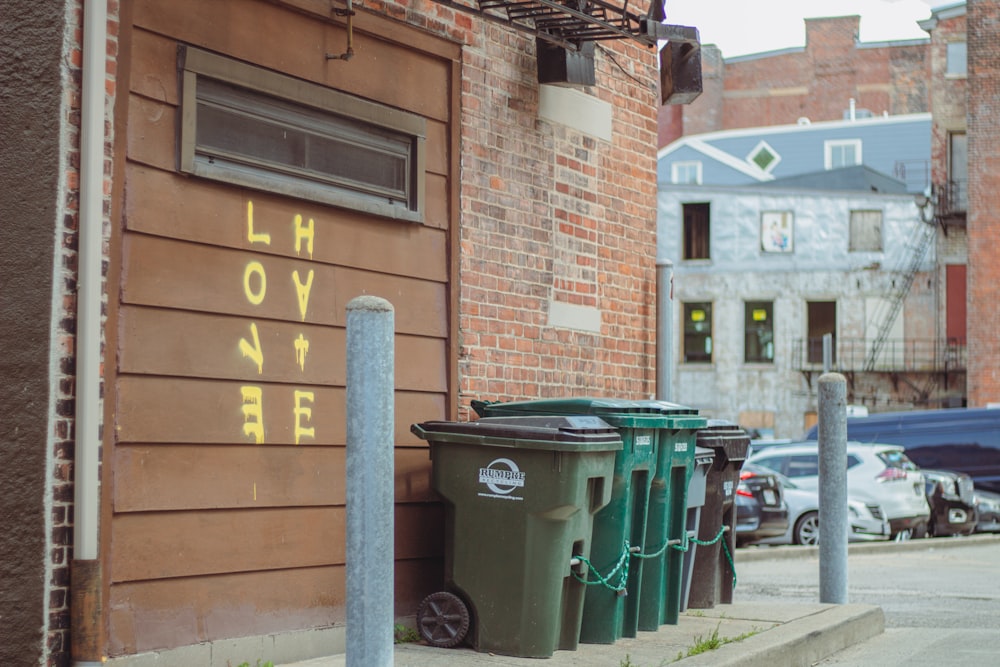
[621, 567]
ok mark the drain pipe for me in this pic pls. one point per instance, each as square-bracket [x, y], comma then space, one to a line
[664, 328]
[85, 572]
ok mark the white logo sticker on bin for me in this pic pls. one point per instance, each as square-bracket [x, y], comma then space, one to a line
[643, 441]
[680, 446]
[727, 487]
[502, 477]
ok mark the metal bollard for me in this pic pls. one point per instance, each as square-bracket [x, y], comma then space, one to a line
[833, 488]
[370, 482]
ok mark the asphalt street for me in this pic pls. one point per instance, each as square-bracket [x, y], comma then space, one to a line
[941, 602]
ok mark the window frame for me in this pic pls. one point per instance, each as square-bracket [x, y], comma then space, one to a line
[696, 246]
[830, 144]
[676, 167]
[689, 337]
[951, 59]
[304, 102]
[853, 238]
[748, 312]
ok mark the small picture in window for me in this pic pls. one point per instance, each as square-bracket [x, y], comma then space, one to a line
[776, 231]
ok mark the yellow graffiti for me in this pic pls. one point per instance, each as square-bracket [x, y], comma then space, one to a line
[255, 297]
[255, 490]
[303, 291]
[253, 413]
[304, 232]
[254, 352]
[303, 414]
[301, 348]
[252, 236]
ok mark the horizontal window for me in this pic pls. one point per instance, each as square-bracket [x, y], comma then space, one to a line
[251, 127]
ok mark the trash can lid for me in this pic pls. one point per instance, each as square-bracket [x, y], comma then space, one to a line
[730, 442]
[617, 412]
[551, 432]
[703, 455]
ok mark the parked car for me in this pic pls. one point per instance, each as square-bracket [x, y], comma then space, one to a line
[876, 473]
[761, 511]
[987, 511]
[866, 521]
[953, 509]
[959, 439]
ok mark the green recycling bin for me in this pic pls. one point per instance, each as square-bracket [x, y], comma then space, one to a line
[662, 584]
[520, 496]
[627, 523]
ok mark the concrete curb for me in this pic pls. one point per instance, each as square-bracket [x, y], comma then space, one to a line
[758, 553]
[803, 641]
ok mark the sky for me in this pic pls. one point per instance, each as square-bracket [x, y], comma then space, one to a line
[740, 27]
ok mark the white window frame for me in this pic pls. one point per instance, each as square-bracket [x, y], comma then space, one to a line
[763, 145]
[678, 168]
[831, 144]
[952, 60]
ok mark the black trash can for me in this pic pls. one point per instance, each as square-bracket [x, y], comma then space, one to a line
[713, 572]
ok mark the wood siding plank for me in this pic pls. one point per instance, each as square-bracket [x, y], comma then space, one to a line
[193, 209]
[171, 410]
[296, 44]
[154, 67]
[174, 274]
[157, 614]
[152, 132]
[185, 477]
[182, 343]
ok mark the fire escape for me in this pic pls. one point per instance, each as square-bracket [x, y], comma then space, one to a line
[566, 32]
[921, 364]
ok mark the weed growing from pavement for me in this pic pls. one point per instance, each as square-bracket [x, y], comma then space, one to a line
[627, 662]
[404, 635]
[712, 642]
[258, 664]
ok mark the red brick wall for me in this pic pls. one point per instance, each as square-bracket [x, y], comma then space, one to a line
[63, 435]
[816, 82]
[983, 19]
[550, 213]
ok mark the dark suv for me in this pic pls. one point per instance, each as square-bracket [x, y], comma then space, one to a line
[963, 440]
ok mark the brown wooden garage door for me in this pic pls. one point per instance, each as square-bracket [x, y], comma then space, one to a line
[226, 433]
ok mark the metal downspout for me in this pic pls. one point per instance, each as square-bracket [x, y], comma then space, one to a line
[85, 583]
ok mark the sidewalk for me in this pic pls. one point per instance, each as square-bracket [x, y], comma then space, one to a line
[783, 634]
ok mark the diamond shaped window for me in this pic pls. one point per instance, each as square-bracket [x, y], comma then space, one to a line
[764, 157]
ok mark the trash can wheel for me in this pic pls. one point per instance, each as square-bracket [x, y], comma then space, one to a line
[443, 619]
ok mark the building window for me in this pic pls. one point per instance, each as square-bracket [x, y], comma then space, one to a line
[776, 231]
[821, 321]
[758, 327]
[841, 153]
[764, 157]
[957, 196]
[698, 332]
[255, 128]
[696, 231]
[866, 231]
[956, 60]
[686, 173]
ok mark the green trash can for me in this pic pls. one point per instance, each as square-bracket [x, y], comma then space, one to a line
[520, 496]
[662, 584]
[612, 612]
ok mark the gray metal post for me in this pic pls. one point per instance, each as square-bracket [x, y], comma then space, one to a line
[833, 488]
[827, 352]
[370, 482]
[664, 328]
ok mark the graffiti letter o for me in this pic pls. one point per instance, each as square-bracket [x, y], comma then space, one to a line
[256, 298]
